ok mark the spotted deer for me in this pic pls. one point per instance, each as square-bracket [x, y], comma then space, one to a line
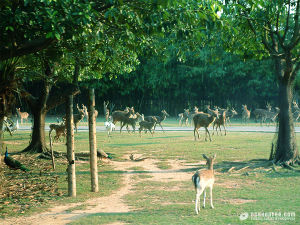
[22, 115]
[245, 113]
[203, 179]
[203, 120]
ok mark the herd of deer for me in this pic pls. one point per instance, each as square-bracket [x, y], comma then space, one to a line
[216, 117]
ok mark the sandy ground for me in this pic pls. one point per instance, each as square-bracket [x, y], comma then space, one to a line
[63, 214]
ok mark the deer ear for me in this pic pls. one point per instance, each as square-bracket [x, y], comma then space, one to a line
[215, 155]
[204, 156]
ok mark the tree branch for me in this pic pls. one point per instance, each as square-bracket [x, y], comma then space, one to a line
[59, 98]
[28, 48]
[296, 34]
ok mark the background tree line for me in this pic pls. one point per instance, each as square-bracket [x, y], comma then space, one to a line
[207, 76]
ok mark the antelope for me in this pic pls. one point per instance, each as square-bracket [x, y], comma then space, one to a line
[23, 115]
[203, 120]
[220, 121]
[245, 113]
[159, 119]
[60, 129]
[147, 125]
[121, 116]
[106, 110]
[203, 179]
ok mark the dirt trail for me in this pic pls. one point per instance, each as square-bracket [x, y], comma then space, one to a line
[63, 214]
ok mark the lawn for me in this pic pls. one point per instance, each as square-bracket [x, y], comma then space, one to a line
[252, 186]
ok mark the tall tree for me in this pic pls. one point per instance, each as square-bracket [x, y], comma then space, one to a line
[271, 29]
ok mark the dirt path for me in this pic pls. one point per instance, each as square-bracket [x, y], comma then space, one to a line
[114, 203]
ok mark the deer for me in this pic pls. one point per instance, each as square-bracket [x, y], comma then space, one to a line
[60, 129]
[184, 117]
[22, 115]
[262, 113]
[203, 120]
[159, 119]
[78, 117]
[121, 116]
[230, 114]
[132, 121]
[109, 126]
[245, 113]
[203, 179]
[106, 110]
[220, 121]
[147, 125]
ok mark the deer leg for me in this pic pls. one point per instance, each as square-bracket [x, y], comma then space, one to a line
[204, 196]
[162, 128]
[197, 202]
[207, 132]
[224, 129]
[211, 197]
[220, 129]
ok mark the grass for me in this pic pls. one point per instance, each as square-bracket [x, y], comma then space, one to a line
[254, 189]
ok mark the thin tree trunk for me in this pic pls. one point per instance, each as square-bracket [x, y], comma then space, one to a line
[92, 140]
[70, 148]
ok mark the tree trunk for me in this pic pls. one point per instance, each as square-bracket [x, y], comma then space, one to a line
[92, 140]
[286, 151]
[70, 148]
[38, 141]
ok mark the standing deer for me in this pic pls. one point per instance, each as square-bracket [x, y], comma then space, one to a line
[78, 117]
[220, 121]
[60, 130]
[147, 125]
[230, 114]
[203, 120]
[132, 121]
[159, 119]
[184, 117]
[245, 113]
[22, 115]
[106, 110]
[203, 179]
[121, 116]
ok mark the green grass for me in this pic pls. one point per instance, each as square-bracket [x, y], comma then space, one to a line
[255, 189]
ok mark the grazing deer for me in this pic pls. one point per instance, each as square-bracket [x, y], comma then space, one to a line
[203, 179]
[220, 121]
[147, 125]
[132, 121]
[60, 130]
[121, 116]
[22, 115]
[203, 120]
[159, 119]
[106, 110]
[245, 113]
